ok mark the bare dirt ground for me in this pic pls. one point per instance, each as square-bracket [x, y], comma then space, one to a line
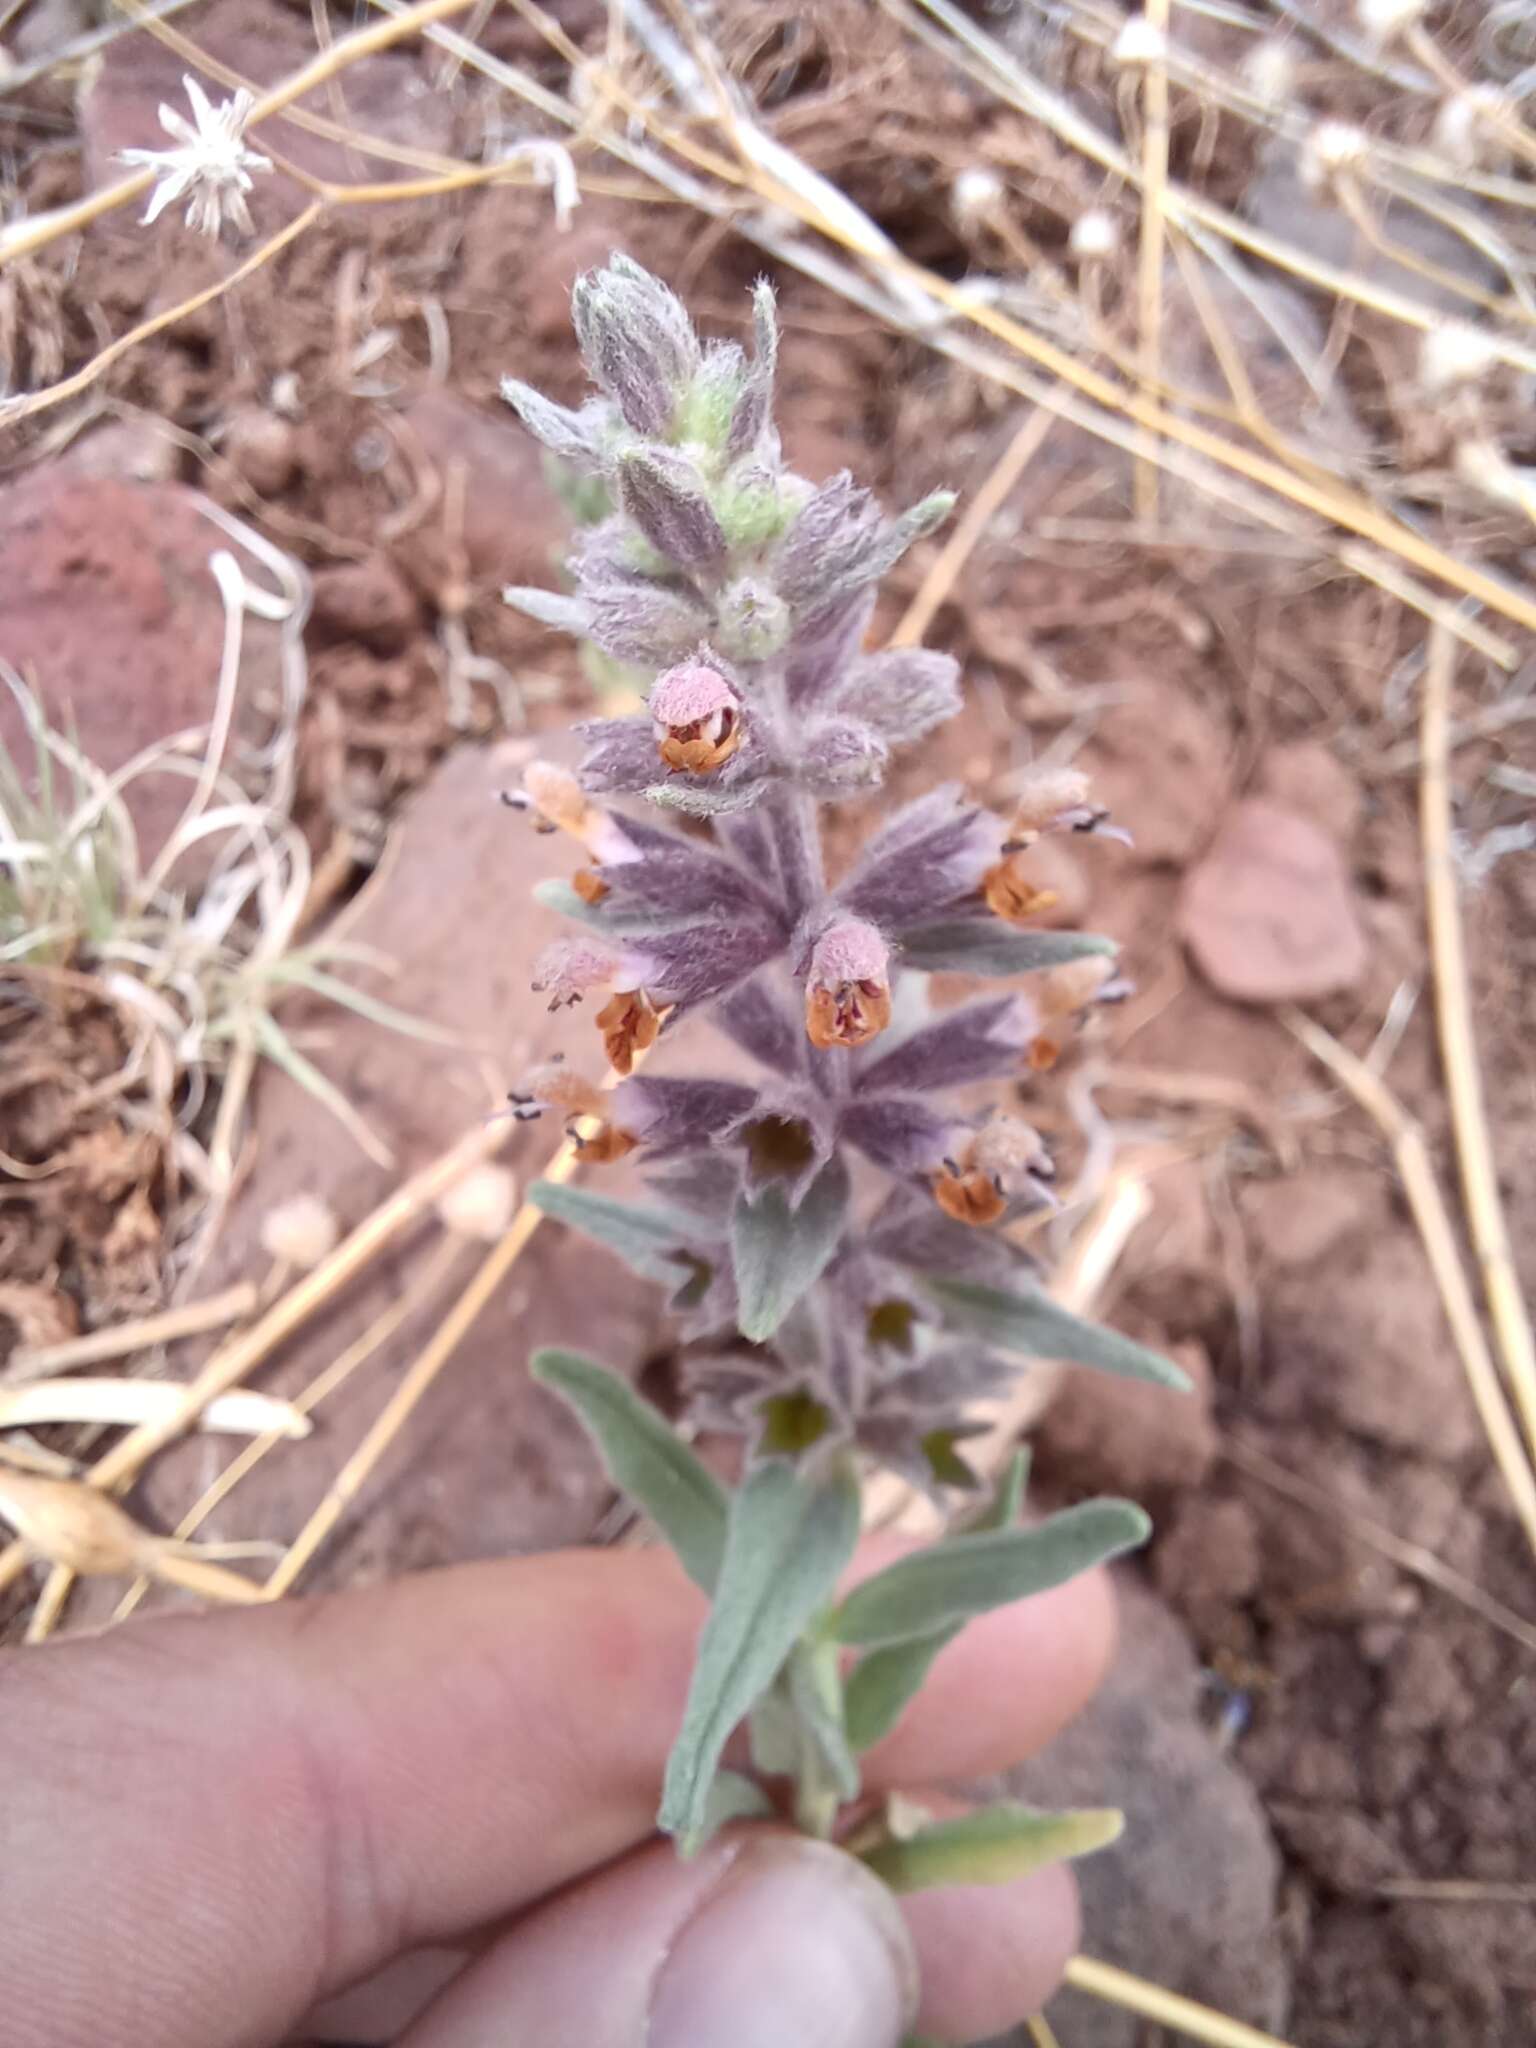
[1246, 713]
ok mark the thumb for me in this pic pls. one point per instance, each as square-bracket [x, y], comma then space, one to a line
[766, 1939]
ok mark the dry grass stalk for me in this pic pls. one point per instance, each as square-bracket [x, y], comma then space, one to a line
[1417, 1174]
[80, 1531]
[1410, 1557]
[114, 1402]
[319, 1389]
[1458, 1044]
[191, 1319]
[1149, 274]
[234, 1361]
[1164, 2008]
[981, 509]
[440, 1347]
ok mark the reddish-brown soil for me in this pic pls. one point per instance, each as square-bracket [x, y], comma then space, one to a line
[1390, 1729]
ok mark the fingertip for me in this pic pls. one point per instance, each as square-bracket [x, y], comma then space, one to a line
[1009, 1682]
[990, 1955]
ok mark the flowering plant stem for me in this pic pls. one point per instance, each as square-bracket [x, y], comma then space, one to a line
[832, 1234]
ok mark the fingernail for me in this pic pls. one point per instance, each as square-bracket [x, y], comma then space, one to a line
[798, 1945]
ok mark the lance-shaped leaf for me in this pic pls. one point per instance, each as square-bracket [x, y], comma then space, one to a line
[779, 1252]
[816, 1693]
[549, 607]
[573, 436]
[645, 1459]
[698, 800]
[949, 1582]
[884, 1682]
[985, 945]
[903, 692]
[992, 1846]
[664, 495]
[786, 1545]
[620, 919]
[733, 1796]
[1028, 1322]
[974, 1042]
[646, 1238]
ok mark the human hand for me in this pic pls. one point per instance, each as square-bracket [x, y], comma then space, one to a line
[216, 1823]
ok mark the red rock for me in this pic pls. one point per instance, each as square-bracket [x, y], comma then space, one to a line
[1187, 1896]
[113, 614]
[365, 601]
[511, 519]
[1105, 1433]
[1303, 1216]
[137, 451]
[1160, 764]
[1363, 1340]
[263, 448]
[1268, 913]
[1308, 778]
[1206, 1556]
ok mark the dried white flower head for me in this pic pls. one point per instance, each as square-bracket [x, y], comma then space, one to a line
[976, 193]
[1269, 70]
[1464, 132]
[553, 168]
[211, 168]
[300, 1232]
[1383, 19]
[1485, 466]
[480, 1205]
[1139, 42]
[1332, 149]
[1094, 236]
[1456, 354]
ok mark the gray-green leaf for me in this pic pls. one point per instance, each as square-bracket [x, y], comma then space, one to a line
[561, 897]
[733, 1797]
[951, 1581]
[816, 1695]
[549, 607]
[967, 945]
[648, 1239]
[884, 1682]
[1027, 1321]
[786, 1544]
[645, 1459]
[779, 1252]
[992, 1846]
[696, 801]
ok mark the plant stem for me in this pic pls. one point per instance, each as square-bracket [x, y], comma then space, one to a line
[796, 835]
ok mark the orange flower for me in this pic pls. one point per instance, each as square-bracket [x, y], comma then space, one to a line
[1003, 1161]
[848, 990]
[1065, 993]
[1010, 893]
[629, 1022]
[697, 718]
[554, 1086]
